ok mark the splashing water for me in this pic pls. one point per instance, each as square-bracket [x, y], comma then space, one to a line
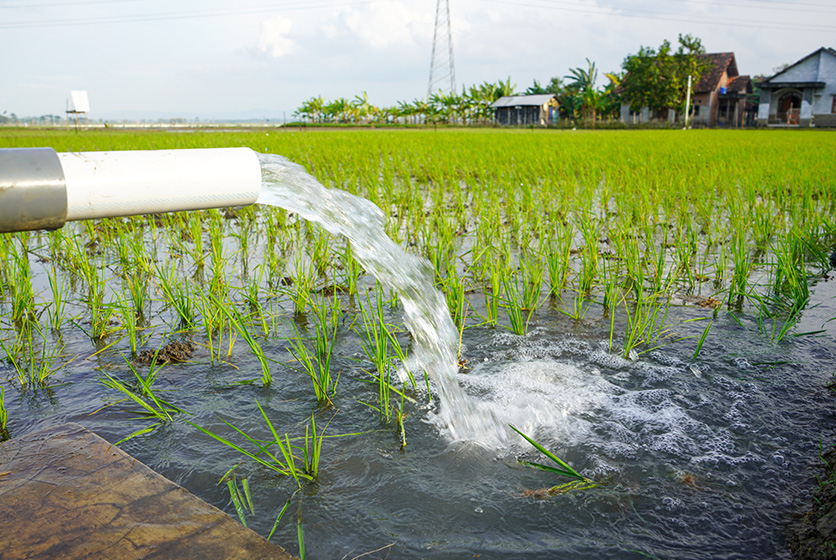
[435, 339]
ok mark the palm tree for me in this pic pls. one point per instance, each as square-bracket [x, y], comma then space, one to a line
[582, 82]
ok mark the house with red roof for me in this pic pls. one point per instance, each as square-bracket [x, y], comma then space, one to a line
[802, 94]
[717, 99]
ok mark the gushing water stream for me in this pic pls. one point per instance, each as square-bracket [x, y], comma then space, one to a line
[435, 339]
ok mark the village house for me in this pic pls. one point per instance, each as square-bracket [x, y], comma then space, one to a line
[523, 110]
[717, 99]
[803, 94]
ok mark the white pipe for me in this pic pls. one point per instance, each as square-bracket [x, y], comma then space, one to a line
[109, 184]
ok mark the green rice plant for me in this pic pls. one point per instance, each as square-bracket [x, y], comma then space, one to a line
[127, 316]
[774, 319]
[55, 311]
[352, 270]
[4, 414]
[518, 314]
[212, 320]
[238, 322]
[557, 260]
[303, 282]
[280, 515]
[321, 253]
[742, 269]
[141, 392]
[283, 461]
[241, 498]
[702, 339]
[531, 279]
[195, 225]
[300, 534]
[590, 231]
[100, 312]
[377, 339]
[177, 293]
[20, 283]
[315, 361]
[136, 286]
[579, 308]
[493, 291]
[562, 468]
[455, 294]
[33, 359]
[645, 324]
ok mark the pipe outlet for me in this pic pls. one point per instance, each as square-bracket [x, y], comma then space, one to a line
[49, 188]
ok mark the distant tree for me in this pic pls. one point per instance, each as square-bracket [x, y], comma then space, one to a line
[658, 78]
[581, 86]
[554, 86]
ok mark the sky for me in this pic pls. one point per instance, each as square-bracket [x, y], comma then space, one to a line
[260, 59]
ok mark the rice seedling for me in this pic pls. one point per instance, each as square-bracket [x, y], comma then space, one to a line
[560, 467]
[34, 358]
[518, 314]
[300, 533]
[20, 284]
[645, 324]
[142, 393]
[127, 316]
[701, 341]
[283, 461]
[280, 515]
[351, 270]
[557, 260]
[4, 414]
[241, 498]
[177, 293]
[136, 286]
[55, 311]
[380, 347]
[212, 320]
[238, 322]
[195, 225]
[299, 290]
[493, 292]
[315, 361]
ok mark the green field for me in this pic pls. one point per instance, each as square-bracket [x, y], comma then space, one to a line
[619, 223]
[707, 244]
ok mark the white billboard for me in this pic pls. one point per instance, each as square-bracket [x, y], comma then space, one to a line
[81, 104]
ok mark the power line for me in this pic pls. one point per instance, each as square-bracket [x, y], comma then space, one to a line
[192, 14]
[61, 4]
[765, 6]
[650, 14]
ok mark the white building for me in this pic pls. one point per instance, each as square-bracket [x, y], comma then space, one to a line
[803, 94]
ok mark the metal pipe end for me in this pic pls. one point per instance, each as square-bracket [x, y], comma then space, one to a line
[33, 193]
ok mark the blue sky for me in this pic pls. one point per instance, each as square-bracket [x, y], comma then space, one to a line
[262, 58]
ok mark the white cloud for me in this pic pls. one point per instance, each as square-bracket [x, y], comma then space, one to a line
[272, 38]
[387, 24]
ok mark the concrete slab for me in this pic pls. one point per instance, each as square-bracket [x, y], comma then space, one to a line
[66, 493]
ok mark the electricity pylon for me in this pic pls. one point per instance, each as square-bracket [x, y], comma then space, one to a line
[442, 70]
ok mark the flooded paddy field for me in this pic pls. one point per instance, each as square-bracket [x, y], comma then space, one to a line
[653, 307]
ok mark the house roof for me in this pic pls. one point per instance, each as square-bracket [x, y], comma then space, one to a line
[766, 83]
[522, 100]
[720, 63]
